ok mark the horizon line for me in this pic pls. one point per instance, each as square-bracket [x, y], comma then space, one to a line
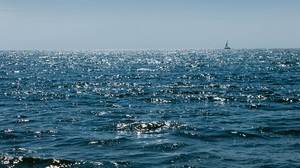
[141, 49]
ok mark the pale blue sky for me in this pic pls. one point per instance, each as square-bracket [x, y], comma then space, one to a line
[148, 24]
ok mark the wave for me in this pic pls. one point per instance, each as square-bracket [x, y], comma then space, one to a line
[10, 161]
[29, 162]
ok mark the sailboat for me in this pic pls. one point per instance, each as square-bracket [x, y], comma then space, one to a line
[226, 46]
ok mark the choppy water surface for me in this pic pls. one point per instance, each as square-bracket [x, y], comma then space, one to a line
[173, 108]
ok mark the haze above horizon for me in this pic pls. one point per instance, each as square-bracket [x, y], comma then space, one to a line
[142, 24]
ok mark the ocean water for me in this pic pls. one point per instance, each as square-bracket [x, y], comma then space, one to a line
[150, 108]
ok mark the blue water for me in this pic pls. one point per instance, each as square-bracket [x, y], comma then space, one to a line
[150, 108]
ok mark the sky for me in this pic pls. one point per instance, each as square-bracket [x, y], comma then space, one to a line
[148, 24]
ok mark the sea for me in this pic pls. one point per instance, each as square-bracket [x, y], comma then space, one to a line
[150, 108]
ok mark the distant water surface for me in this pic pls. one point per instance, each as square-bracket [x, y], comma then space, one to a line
[144, 108]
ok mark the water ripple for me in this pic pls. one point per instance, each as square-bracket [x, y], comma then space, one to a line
[150, 108]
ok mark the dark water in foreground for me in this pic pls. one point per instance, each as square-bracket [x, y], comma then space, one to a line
[191, 108]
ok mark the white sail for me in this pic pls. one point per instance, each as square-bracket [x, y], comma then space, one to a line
[226, 46]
